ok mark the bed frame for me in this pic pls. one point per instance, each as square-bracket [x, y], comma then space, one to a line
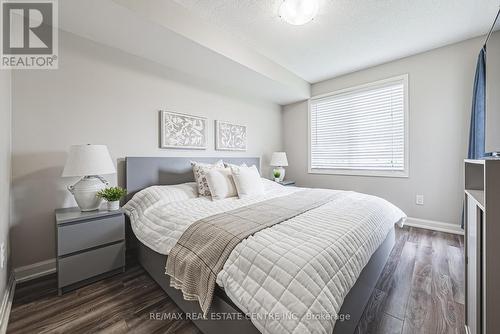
[142, 172]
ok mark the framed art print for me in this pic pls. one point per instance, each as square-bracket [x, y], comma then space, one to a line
[230, 137]
[182, 131]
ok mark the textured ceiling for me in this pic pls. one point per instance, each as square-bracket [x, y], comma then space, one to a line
[187, 50]
[347, 35]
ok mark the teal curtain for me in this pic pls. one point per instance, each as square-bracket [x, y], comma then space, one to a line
[477, 123]
[477, 119]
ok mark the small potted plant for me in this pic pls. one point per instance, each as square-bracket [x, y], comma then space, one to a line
[277, 175]
[112, 195]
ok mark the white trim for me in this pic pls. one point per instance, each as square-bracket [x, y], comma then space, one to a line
[7, 303]
[361, 86]
[35, 270]
[367, 172]
[434, 225]
[360, 172]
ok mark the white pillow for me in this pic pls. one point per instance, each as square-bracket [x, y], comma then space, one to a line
[221, 184]
[247, 181]
[228, 165]
[200, 171]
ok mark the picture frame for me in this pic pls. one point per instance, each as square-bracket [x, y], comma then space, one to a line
[230, 136]
[183, 131]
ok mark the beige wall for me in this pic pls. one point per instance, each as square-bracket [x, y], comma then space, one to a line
[5, 158]
[440, 93]
[102, 95]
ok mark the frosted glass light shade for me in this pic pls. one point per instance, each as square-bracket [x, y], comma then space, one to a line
[84, 160]
[279, 159]
[298, 12]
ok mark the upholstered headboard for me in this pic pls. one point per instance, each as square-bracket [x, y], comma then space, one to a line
[142, 172]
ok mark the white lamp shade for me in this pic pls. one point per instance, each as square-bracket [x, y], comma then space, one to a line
[84, 160]
[279, 159]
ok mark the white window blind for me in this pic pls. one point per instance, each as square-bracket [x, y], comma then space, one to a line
[360, 129]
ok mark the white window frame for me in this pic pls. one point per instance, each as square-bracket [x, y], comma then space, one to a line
[366, 172]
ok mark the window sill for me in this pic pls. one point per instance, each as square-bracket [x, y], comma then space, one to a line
[355, 172]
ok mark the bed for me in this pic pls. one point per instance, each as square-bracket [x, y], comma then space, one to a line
[266, 300]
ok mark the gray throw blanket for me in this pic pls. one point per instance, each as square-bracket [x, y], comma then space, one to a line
[195, 261]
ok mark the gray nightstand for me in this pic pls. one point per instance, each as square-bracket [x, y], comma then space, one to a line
[287, 183]
[90, 246]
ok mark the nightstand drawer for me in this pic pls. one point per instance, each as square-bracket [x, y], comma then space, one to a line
[75, 268]
[83, 235]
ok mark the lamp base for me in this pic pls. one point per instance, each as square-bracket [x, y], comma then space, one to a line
[85, 192]
[282, 173]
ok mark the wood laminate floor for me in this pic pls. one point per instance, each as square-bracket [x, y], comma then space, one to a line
[421, 290]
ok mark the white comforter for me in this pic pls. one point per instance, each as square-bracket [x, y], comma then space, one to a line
[292, 277]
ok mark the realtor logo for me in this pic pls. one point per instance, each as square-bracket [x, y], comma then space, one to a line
[29, 34]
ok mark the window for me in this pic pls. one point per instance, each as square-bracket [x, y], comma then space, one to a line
[361, 130]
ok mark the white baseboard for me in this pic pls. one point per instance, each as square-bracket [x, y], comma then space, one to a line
[434, 225]
[35, 270]
[18, 275]
[7, 303]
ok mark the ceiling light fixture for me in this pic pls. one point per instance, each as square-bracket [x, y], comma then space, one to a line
[298, 12]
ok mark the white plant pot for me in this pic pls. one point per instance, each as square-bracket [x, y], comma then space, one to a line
[276, 179]
[113, 206]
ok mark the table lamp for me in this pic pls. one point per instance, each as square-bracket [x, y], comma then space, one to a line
[279, 161]
[88, 162]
